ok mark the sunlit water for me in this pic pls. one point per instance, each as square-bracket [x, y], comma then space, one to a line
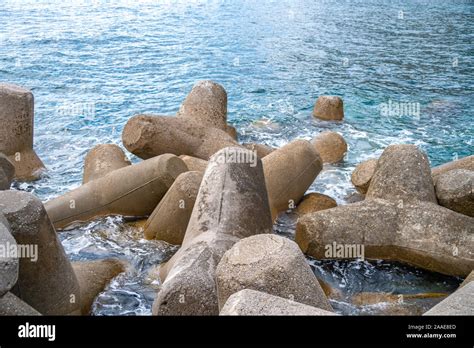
[93, 64]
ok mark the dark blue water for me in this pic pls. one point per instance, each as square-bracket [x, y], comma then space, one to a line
[93, 64]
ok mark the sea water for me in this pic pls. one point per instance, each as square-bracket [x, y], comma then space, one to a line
[403, 69]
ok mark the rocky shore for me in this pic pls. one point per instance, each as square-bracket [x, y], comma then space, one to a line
[197, 186]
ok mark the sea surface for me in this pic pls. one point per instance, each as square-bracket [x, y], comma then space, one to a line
[403, 68]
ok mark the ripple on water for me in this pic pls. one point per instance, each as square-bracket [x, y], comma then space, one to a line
[127, 57]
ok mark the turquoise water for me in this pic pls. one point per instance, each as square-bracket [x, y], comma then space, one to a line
[93, 64]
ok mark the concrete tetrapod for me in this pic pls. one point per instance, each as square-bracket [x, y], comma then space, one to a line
[7, 172]
[331, 146]
[46, 280]
[251, 302]
[232, 203]
[147, 136]
[423, 234]
[261, 149]
[93, 277]
[403, 173]
[170, 218]
[329, 108]
[406, 225]
[455, 191]
[12, 305]
[289, 172]
[103, 159]
[271, 264]
[194, 164]
[8, 263]
[363, 173]
[16, 133]
[313, 202]
[131, 191]
[461, 302]
[462, 163]
[206, 105]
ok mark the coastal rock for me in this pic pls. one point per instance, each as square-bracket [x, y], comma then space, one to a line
[7, 172]
[289, 172]
[462, 163]
[367, 170]
[16, 133]
[455, 191]
[206, 105]
[402, 173]
[232, 203]
[46, 280]
[131, 191]
[194, 164]
[148, 136]
[362, 175]
[93, 277]
[331, 146]
[261, 149]
[329, 108]
[251, 302]
[415, 233]
[12, 305]
[461, 302]
[102, 160]
[313, 202]
[232, 131]
[8, 262]
[169, 220]
[271, 264]
[190, 287]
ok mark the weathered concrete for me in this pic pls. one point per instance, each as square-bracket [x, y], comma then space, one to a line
[48, 283]
[103, 159]
[93, 277]
[7, 172]
[462, 163]
[271, 264]
[455, 191]
[148, 136]
[468, 279]
[12, 305]
[329, 108]
[250, 302]
[313, 202]
[170, 219]
[9, 264]
[261, 149]
[461, 302]
[194, 164]
[402, 173]
[422, 234]
[232, 203]
[131, 191]
[368, 169]
[206, 105]
[289, 172]
[362, 175]
[232, 131]
[16, 133]
[331, 146]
